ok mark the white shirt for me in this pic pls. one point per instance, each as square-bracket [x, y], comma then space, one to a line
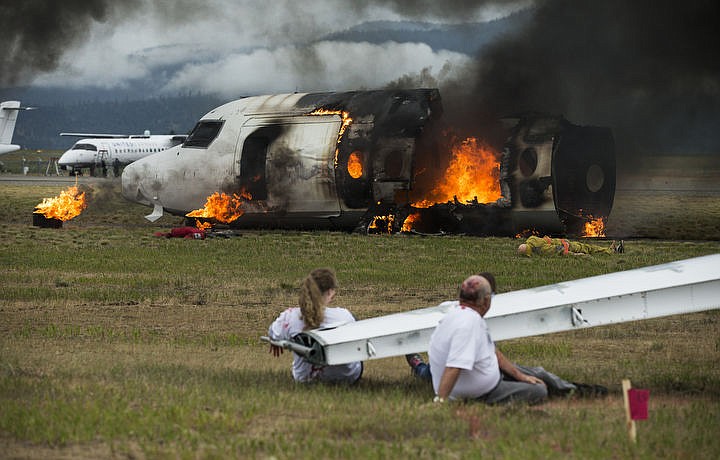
[289, 324]
[462, 340]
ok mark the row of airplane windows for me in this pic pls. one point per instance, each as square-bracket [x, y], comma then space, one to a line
[139, 150]
[124, 150]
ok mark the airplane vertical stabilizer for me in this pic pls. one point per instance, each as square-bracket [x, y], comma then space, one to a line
[8, 117]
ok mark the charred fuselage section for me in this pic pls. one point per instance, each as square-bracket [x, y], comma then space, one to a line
[555, 177]
[362, 160]
[382, 140]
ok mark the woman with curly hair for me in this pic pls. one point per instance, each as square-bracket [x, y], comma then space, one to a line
[316, 292]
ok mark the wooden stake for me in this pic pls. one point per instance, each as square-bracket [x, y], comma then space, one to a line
[630, 423]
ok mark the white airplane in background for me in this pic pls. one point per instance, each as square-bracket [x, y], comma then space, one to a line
[8, 117]
[113, 150]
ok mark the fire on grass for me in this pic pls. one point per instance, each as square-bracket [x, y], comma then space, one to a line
[68, 205]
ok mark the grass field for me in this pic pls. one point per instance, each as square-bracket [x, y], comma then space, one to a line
[118, 344]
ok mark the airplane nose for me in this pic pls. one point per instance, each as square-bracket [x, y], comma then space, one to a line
[65, 159]
[76, 157]
[145, 180]
[133, 188]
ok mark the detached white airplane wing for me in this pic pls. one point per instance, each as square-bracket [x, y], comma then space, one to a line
[684, 286]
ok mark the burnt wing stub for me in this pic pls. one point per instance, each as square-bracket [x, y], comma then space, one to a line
[554, 177]
[471, 218]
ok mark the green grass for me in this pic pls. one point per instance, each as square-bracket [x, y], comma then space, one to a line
[115, 343]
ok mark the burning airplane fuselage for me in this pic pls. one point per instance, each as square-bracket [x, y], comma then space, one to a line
[349, 161]
[292, 156]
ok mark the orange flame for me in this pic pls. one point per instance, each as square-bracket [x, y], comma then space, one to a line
[473, 173]
[410, 222]
[382, 223]
[68, 205]
[222, 207]
[355, 167]
[523, 234]
[346, 120]
[594, 227]
[202, 225]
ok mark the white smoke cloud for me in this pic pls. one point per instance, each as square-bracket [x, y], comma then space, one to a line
[332, 66]
[100, 63]
[233, 47]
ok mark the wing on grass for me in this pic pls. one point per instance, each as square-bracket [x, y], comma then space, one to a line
[684, 286]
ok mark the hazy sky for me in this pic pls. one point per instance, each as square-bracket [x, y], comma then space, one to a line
[226, 47]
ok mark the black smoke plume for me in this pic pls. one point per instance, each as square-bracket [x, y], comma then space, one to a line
[648, 69]
[37, 33]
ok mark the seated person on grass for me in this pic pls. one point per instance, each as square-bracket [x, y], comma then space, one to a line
[488, 376]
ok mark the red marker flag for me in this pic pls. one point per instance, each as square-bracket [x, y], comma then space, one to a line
[638, 400]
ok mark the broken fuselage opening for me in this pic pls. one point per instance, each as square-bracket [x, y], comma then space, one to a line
[557, 176]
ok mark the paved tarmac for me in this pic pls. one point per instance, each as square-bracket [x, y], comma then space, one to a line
[19, 179]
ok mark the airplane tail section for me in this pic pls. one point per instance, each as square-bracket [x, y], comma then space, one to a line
[8, 117]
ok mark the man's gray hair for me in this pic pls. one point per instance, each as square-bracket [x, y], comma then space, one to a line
[474, 288]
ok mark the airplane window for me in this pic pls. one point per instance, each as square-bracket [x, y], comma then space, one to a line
[84, 147]
[203, 134]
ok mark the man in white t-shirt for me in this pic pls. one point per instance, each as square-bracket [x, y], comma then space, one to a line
[471, 366]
